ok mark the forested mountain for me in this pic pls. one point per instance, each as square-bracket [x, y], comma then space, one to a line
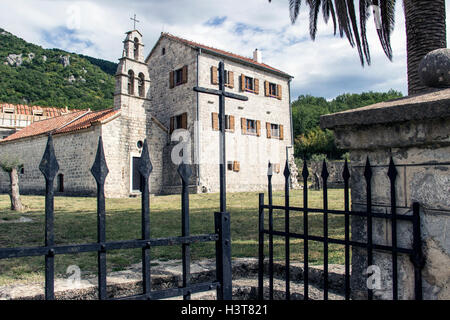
[30, 74]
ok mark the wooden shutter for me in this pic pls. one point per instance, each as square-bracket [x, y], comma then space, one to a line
[278, 92]
[256, 86]
[266, 88]
[172, 123]
[231, 79]
[231, 123]
[242, 82]
[269, 130]
[281, 132]
[244, 125]
[215, 121]
[258, 128]
[214, 77]
[184, 120]
[171, 79]
[184, 74]
[236, 166]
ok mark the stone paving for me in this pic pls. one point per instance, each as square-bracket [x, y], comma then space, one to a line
[167, 274]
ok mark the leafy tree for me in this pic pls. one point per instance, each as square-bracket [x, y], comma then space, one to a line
[306, 112]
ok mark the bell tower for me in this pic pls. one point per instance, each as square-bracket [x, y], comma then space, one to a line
[131, 93]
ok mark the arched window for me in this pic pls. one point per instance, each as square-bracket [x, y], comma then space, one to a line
[130, 82]
[136, 49]
[141, 84]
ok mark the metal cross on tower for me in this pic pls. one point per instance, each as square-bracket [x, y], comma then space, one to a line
[134, 21]
[222, 218]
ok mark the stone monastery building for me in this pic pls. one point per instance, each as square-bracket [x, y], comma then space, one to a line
[154, 100]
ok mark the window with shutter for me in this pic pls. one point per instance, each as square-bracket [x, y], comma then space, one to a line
[278, 92]
[215, 121]
[275, 130]
[178, 122]
[230, 82]
[268, 129]
[236, 166]
[178, 76]
[258, 128]
[214, 75]
[184, 121]
[244, 125]
[229, 77]
[272, 90]
[171, 79]
[184, 74]
[231, 123]
[249, 84]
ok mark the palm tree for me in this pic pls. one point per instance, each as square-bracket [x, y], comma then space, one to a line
[424, 19]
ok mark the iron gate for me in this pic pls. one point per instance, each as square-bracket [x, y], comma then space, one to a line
[49, 168]
[415, 252]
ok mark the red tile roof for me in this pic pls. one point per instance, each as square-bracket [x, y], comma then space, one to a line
[62, 124]
[222, 52]
[28, 110]
[88, 120]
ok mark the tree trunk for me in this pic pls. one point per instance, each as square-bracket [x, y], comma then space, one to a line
[425, 31]
[14, 193]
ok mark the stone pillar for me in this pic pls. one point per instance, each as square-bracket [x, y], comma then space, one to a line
[415, 132]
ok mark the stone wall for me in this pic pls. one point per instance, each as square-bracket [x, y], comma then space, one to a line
[75, 154]
[253, 152]
[415, 132]
[168, 102]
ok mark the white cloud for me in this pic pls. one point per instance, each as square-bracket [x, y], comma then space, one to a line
[326, 67]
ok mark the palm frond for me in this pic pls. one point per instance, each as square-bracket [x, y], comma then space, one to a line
[387, 23]
[364, 14]
[314, 7]
[354, 25]
[328, 10]
[343, 20]
[294, 9]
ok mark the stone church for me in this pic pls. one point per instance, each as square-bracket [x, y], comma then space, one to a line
[154, 100]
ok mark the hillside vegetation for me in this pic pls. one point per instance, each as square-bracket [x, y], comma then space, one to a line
[309, 140]
[32, 75]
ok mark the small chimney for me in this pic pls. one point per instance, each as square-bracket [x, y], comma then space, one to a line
[257, 56]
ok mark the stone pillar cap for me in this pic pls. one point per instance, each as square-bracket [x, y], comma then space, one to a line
[432, 105]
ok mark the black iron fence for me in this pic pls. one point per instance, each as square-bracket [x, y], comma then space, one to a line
[415, 252]
[49, 168]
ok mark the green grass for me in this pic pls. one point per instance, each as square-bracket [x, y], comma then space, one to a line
[75, 222]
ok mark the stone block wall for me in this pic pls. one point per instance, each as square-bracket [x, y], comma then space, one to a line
[75, 154]
[168, 102]
[253, 152]
[415, 132]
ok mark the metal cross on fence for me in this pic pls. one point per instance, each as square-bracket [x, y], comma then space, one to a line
[222, 95]
[222, 218]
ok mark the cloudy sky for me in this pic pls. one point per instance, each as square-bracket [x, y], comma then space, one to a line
[326, 67]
